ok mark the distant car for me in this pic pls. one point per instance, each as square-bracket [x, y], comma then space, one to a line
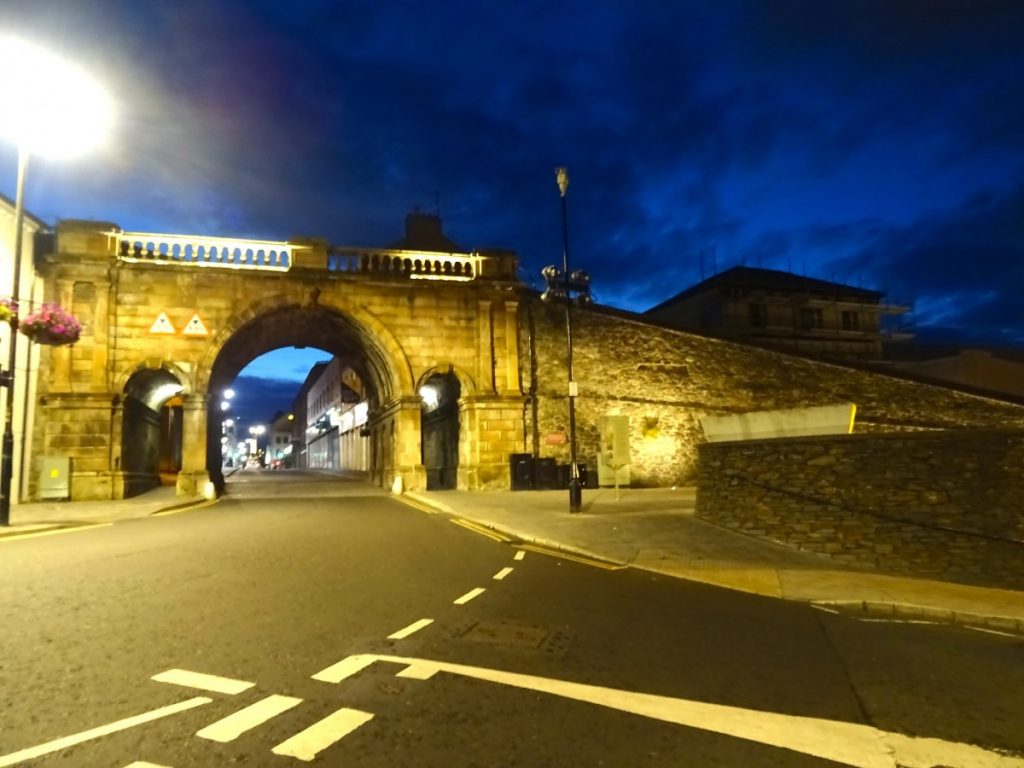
[277, 464]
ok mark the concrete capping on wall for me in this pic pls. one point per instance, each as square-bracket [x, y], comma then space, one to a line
[785, 422]
[947, 504]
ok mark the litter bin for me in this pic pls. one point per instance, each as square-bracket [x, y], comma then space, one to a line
[521, 471]
[546, 475]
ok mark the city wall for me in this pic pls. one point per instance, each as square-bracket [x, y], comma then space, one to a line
[946, 505]
[666, 379]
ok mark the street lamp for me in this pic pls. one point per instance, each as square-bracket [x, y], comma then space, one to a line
[561, 285]
[49, 107]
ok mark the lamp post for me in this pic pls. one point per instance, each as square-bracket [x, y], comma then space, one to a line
[7, 377]
[52, 108]
[561, 285]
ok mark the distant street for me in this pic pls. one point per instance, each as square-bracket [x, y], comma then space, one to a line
[312, 618]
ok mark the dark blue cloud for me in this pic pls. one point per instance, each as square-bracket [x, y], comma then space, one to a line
[870, 141]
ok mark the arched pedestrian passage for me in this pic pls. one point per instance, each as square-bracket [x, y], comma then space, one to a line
[440, 394]
[151, 429]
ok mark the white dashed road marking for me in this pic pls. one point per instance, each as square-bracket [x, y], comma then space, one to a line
[344, 668]
[519, 555]
[233, 726]
[144, 764]
[307, 744]
[502, 574]
[103, 730]
[416, 626]
[202, 681]
[469, 596]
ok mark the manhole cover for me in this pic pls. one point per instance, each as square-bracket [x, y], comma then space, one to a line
[507, 633]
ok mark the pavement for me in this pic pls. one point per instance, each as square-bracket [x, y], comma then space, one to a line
[42, 516]
[649, 529]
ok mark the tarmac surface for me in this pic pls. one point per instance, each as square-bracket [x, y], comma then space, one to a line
[649, 529]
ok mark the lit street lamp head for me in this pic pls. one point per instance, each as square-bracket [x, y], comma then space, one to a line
[562, 177]
[52, 108]
[49, 107]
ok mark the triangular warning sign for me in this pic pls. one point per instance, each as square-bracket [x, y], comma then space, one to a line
[162, 324]
[195, 327]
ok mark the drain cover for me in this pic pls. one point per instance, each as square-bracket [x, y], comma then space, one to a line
[507, 633]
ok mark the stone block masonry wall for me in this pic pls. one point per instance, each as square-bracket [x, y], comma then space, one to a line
[665, 380]
[946, 505]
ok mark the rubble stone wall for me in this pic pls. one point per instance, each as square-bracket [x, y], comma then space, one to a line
[946, 505]
[665, 380]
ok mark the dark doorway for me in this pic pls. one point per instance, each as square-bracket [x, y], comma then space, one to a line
[440, 430]
[170, 440]
[151, 433]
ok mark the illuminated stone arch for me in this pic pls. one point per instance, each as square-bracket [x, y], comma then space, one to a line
[175, 370]
[372, 337]
[466, 381]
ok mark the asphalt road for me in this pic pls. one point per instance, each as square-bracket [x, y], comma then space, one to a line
[348, 629]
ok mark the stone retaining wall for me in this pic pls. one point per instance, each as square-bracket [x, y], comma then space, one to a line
[665, 380]
[946, 505]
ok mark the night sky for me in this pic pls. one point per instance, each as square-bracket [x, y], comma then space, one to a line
[878, 143]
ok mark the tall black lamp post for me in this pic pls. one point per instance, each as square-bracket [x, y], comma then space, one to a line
[567, 287]
[7, 376]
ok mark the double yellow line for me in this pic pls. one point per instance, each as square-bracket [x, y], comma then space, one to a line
[51, 531]
[469, 525]
[563, 555]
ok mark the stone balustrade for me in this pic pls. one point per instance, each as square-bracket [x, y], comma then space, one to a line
[198, 251]
[417, 265]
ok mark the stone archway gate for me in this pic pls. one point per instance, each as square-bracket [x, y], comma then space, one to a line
[411, 312]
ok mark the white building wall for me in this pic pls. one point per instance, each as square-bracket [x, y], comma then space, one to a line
[27, 363]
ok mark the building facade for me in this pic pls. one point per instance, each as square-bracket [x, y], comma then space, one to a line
[780, 309]
[23, 387]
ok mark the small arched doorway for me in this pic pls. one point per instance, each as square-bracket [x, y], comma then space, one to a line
[151, 430]
[439, 430]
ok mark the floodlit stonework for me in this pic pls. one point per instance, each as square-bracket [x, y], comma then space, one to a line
[666, 379]
[177, 317]
[402, 315]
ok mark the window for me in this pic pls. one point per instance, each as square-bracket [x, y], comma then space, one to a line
[811, 318]
[851, 321]
[758, 315]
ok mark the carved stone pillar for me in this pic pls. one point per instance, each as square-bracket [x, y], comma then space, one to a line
[193, 477]
[408, 456]
[491, 429]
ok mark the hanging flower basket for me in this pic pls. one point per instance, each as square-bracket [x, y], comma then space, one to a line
[8, 309]
[51, 325]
